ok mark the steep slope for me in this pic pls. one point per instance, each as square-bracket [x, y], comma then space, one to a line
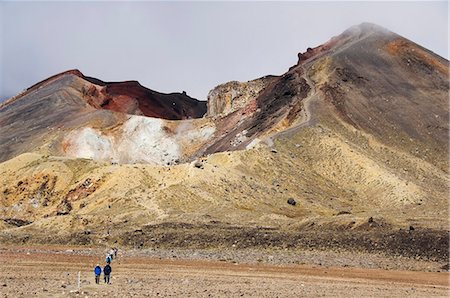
[375, 80]
[390, 88]
[29, 120]
[68, 114]
[128, 97]
[356, 134]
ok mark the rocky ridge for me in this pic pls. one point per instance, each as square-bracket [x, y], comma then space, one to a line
[356, 134]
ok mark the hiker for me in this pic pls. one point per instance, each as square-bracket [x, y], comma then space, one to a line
[107, 272]
[97, 272]
[111, 253]
[108, 259]
[115, 251]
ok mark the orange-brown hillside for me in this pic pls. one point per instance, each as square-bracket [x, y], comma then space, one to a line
[354, 137]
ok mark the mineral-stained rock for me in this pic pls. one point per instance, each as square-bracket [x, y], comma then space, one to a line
[63, 208]
[232, 96]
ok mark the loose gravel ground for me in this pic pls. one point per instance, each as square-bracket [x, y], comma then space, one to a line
[53, 272]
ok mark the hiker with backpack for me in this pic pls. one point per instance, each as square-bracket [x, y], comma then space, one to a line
[107, 273]
[97, 272]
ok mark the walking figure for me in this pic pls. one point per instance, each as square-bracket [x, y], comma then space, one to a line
[107, 272]
[97, 272]
[111, 253]
[108, 259]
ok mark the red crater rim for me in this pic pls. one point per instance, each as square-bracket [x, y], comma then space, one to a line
[129, 97]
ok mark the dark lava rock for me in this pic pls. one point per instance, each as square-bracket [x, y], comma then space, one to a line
[343, 212]
[17, 222]
[198, 164]
[291, 201]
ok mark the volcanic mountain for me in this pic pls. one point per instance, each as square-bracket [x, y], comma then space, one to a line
[354, 136]
[79, 105]
[128, 97]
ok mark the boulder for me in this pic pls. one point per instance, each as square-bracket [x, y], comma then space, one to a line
[291, 201]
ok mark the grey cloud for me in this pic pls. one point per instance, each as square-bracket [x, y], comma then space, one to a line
[174, 46]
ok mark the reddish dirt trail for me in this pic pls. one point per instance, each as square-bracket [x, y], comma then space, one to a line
[54, 274]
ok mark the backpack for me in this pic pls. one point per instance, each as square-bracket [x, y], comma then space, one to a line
[107, 270]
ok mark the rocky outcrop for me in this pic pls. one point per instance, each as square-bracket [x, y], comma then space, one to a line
[130, 97]
[233, 96]
[348, 37]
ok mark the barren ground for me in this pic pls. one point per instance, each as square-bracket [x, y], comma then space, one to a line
[52, 272]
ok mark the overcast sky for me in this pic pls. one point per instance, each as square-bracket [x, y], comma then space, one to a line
[191, 46]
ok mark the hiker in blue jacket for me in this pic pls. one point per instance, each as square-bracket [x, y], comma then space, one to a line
[97, 272]
[108, 259]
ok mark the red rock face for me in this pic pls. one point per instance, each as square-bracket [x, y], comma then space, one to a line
[132, 98]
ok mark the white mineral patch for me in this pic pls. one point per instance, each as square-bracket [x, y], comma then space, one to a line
[144, 140]
[253, 144]
[186, 131]
[33, 202]
[89, 143]
[140, 140]
[199, 134]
